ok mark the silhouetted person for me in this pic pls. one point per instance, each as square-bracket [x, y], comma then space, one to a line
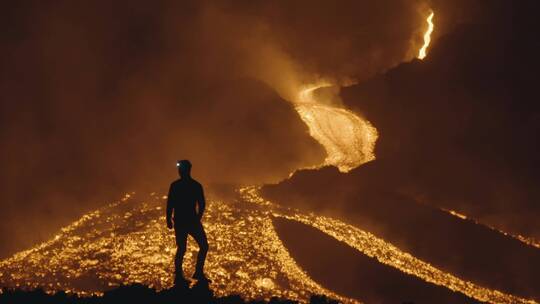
[185, 208]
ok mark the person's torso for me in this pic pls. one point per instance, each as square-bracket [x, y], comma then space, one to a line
[184, 196]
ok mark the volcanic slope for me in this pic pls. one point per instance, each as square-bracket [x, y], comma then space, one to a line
[127, 242]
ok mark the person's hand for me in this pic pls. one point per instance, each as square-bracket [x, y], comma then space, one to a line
[169, 224]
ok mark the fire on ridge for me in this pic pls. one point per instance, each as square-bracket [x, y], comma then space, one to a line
[422, 53]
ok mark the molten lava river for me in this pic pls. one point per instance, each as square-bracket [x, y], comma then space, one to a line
[128, 242]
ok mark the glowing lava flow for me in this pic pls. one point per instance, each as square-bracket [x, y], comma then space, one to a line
[349, 140]
[524, 239]
[383, 251]
[427, 37]
[127, 242]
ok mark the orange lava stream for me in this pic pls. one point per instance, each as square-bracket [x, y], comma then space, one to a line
[524, 239]
[384, 252]
[127, 242]
[348, 139]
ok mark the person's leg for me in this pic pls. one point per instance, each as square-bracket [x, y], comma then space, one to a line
[197, 232]
[181, 243]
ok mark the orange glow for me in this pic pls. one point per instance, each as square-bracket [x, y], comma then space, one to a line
[127, 241]
[427, 36]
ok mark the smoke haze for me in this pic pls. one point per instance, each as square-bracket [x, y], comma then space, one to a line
[101, 98]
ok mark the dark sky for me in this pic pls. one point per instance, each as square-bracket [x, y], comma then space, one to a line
[100, 97]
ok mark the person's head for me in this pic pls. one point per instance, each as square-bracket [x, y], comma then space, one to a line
[184, 168]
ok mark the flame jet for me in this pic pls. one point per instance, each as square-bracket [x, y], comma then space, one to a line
[427, 37]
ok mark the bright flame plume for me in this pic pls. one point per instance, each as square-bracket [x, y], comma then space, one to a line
[427, 37]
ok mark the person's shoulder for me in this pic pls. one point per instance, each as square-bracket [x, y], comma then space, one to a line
[196, 183]
[176, 182]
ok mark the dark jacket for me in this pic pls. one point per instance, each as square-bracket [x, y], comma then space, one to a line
[184, 196]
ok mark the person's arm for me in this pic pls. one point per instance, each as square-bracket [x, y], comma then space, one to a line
[202, 203]
[169, 208]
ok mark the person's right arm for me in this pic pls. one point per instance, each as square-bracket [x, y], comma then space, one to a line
[169, 208]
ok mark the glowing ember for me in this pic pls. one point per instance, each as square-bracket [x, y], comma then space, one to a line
[427, 37]
[349, 140]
